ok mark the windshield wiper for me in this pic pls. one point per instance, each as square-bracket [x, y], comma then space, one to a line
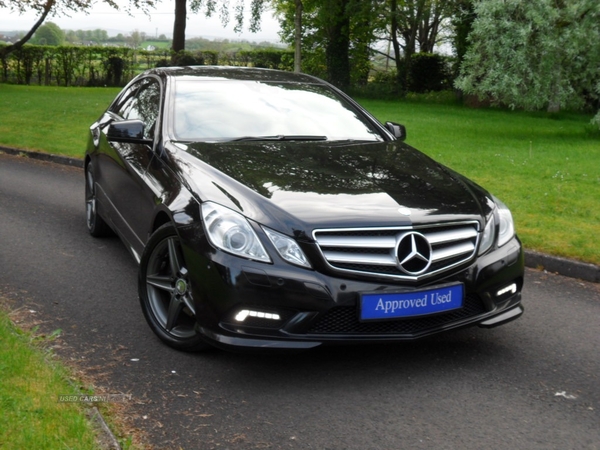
[281, 137]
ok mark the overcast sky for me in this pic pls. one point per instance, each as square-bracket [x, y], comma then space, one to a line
[159, 22]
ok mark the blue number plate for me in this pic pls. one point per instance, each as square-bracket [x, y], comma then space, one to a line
[381, 306]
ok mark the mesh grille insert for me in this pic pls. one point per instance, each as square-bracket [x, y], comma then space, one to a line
[344, 320]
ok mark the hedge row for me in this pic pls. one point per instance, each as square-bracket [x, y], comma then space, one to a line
[115, 66]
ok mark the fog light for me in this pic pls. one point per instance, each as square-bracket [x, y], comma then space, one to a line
[512, 289]
[243, 314]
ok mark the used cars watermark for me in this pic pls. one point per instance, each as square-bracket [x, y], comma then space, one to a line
[84, 398]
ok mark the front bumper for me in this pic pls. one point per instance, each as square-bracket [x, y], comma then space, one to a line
[284, 307]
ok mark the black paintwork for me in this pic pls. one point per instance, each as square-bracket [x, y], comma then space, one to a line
[292, 187]
[318, 185]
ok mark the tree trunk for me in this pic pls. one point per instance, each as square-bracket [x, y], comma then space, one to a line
[5, 51]
[337, 51]
[179, 26]
[298, 37]
[400, 68]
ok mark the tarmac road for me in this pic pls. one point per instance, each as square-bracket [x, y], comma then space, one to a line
[531, 384]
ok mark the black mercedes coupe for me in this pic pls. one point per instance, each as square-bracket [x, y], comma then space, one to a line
[267, 209]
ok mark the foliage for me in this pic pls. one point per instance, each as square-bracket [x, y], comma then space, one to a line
[49, 34]
[226, 45]
[221, 7]
[77, 36]
[533, 54]
[381, 85]
[268, 59]
[53, 8]
[115, 66]
[596, 119]
[336, 37]
[428, 72]
[462, 24]
[70, 65]
[414, 26]
[417, 24]
[210, 7]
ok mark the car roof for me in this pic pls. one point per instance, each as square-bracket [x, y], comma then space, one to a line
[234, 73]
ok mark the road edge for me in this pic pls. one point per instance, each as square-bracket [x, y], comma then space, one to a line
[533, 259]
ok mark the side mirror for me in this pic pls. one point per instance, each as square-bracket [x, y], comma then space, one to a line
[129, 131]
[399, 131]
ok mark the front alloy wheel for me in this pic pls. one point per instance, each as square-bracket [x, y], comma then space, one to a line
[165, 294]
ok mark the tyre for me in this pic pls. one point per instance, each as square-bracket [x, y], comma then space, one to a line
[96, 225]
[165, 293]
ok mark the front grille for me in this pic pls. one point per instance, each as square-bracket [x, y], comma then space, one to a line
[344, 320]
[374, 251]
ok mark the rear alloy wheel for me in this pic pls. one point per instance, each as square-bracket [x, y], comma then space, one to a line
[165, 293]
[95, 224]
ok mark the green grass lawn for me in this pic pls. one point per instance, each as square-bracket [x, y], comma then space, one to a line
[546, 169]
[50, 119]
[31, 415]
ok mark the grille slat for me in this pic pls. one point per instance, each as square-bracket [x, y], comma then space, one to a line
[358, 241]
[452, 235]
[373, 251]
[353, 258]
[451, 252]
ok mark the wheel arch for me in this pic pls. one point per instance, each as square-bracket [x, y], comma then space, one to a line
[159, 220]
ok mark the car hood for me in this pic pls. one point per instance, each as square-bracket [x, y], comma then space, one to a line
[300, 186]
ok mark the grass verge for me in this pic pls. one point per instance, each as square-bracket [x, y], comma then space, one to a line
[30, 385]
[545, 168]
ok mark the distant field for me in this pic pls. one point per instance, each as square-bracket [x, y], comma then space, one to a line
[547, 170]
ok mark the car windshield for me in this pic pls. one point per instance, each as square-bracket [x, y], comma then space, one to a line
[222, 110]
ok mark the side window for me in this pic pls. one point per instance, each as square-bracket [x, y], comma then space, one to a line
[124, 103]
[141, 102]
[146, 106]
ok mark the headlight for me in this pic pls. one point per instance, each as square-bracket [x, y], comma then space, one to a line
[230, 231]
[506, 227]
[488, 235]
[287, 248]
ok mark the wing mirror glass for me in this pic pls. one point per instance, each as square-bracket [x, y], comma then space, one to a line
[127, 131]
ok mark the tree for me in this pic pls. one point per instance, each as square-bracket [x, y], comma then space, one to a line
[298, 8]
[290, 14]
[49, 34]
[337, 45]
[134, 39]
[210, 7]
[179, 24]
[534, 54]
[332, 36]
[47, 8]
[415, 26]
[462, 24]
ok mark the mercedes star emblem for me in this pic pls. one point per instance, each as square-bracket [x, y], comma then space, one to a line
[413, 253]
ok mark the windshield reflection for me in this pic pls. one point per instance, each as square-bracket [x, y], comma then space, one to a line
[218, 110]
